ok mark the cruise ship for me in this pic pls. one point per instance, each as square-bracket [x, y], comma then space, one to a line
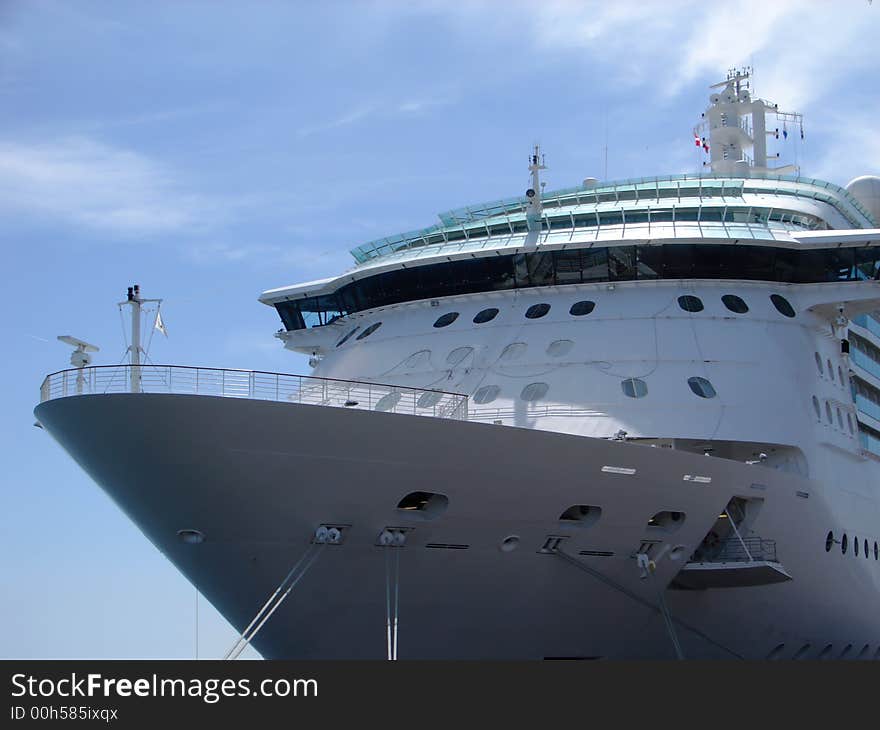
[633, 419]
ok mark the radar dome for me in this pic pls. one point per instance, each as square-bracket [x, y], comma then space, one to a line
[866, 189]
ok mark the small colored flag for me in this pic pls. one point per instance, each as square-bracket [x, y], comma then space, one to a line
[160, 325]
[697, 141]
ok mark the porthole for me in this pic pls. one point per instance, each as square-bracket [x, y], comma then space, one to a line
[429, 399]
[782, 305]
[819, 366]
[347, 337]
[579, 309]
[777, 652]
[634, 388]
[509, 544]
[802, 652]
[735, 304]
[369, 330]
[458, 355]
[487, 315]
[559, 348]
[444, 320]
[846, 650]
[829, 541]
[690, 303]
[867, 552]
[830, 371]
[388, 401]
[537, 311]
[863, 654]
[826, 652]
[817, 408]
[486, 394]
[876, 551]
[701, 387]
[514, 351]
[844, 544]
[840, 419]
[534, 392]
[856, 546]
[828, 416]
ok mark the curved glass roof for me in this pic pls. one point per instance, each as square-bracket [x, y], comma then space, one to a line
[563, 208]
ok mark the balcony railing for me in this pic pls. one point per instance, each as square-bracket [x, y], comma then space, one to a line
[737, 550]
[254, 385]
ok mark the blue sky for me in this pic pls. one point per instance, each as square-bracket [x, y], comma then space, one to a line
[209, 151]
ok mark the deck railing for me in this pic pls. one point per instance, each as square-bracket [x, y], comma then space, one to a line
[254, 385]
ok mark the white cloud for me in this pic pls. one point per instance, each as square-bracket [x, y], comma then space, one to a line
[81, 181]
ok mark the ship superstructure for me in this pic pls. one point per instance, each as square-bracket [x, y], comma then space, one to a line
[669, 383]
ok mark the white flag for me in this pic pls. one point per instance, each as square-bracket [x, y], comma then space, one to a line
[160, 325]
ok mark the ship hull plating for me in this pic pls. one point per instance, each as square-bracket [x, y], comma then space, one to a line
[257, 478]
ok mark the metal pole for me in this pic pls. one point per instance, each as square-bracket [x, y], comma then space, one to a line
[135, 371]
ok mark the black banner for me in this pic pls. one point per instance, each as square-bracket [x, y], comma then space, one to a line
[122, 694]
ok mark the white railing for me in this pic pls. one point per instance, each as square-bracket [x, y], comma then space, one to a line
[255, 385]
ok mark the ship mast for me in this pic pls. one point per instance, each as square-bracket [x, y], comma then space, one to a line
[735, 124]
[135, 349]
[534, 206]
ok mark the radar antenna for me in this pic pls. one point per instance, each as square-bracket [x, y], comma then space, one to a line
[80, 358]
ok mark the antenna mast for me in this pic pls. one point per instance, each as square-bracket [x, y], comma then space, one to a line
[737, 122]
[135, 350]
[534, 207]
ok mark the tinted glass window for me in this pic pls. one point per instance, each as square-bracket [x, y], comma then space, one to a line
[579, 309]
[486, 315]
[429, 399]
[347, 337]
[819, 366]
[829, 541]
[444, 320]
[844, 544]
[558, 348]
[534, 391]
[537, 310]
[486, 394]
[634, 388]
[782, 305]
[816, 408]
[701, 387]
[690, 303]
[369, 330]
[735, 303]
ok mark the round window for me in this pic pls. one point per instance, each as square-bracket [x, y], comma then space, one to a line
[486, 394]
[534, 391]
[537, 310]
[487, 315]
[444, 320]
[579, 309]
[782, 305]
[735, 304]
[347, 337]
[634, 388]
[701, 387]
[369, 330]
[690, 303]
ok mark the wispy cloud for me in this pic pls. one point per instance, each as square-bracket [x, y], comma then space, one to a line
[85, 182]
[378, 110]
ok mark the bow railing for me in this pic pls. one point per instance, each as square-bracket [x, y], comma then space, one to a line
[255, 385]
